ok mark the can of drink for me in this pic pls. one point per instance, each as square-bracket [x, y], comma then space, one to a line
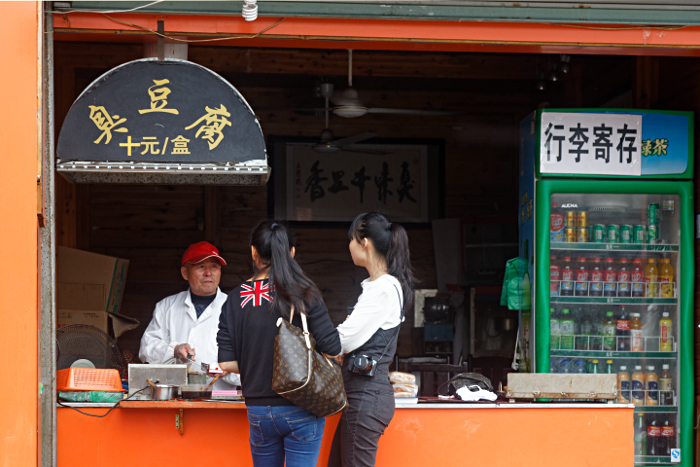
[570, 219]
[582, 219]
[598, 233]
[590, 233]
[613, 231]
[653, 214]
[582, 234]
[570, 234]
[626, 234]
[639, 234]
[652, 234]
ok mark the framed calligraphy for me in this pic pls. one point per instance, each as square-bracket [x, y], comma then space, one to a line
[402, 179]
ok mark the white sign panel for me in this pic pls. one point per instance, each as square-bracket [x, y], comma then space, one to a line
[592, 144]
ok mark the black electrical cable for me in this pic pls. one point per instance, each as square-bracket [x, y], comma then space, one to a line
[107, 413]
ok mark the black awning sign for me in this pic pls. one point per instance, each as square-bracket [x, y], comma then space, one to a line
[161, 111]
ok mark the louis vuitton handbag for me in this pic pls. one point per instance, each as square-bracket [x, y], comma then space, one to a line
[302, 375]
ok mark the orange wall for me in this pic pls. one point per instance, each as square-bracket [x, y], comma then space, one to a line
[18, 235]
[551, 437]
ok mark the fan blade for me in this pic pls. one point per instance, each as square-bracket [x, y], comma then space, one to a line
[353, 139]
[435, 113]
[376, 152]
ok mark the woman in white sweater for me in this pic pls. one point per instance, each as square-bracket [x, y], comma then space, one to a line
[369, 335]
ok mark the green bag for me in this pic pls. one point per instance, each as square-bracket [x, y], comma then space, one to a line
[516, 285]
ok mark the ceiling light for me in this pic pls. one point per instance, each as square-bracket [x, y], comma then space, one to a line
[564, 66]
[250, 10]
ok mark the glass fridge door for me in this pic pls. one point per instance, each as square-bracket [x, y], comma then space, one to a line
[614, 288]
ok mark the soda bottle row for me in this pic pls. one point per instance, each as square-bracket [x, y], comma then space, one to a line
[591, 331]
[593, 277]
[654, 435]
[573, 226]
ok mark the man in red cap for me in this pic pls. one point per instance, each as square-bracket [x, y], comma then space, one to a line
[184, 326]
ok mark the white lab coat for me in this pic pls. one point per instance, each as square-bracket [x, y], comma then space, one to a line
[175, 322]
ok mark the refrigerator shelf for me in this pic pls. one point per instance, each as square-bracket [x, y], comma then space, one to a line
[614, 300]
[652, 460]
[612, 246]
[656, 409]
[612, 354]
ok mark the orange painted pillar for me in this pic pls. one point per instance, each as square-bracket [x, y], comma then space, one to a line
[19, 111]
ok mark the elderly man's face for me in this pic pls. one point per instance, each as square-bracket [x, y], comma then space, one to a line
[203, 277]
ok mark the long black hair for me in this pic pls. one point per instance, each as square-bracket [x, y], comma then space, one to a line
[391, 242]
[288, 283]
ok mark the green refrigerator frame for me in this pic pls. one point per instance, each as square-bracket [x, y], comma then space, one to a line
[544, 188]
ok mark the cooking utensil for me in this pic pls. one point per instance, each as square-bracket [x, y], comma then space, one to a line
[213, 380]
[196, 391]
[162, 392]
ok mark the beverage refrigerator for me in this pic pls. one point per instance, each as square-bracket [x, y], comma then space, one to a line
[606, 248]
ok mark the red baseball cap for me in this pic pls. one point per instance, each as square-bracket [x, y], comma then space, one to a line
[198, 252]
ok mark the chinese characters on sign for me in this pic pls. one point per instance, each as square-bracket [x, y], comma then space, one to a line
[213, 124]
[587, 143]
[323, 186]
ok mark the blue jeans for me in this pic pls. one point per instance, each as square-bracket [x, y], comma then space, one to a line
[287, 431]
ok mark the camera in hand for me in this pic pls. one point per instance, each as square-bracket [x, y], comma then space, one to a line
[362, 365]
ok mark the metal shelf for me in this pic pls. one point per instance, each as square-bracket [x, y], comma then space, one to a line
[612, 354]
[652, 460]
[614, 300]
[613, 247]
[656, 409]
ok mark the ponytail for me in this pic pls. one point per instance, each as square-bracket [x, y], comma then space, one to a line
[391, 242]
[288, 283]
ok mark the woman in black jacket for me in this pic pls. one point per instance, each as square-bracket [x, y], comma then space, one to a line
[279, 430]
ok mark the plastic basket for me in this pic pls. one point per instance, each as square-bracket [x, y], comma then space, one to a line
[88, 379]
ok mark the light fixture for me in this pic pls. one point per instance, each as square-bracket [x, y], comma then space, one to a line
[250, 10]
[564, 66]
[541, 84]
[553, 75]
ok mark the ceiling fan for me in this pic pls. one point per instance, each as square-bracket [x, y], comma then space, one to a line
[348, 105]
[327, 143]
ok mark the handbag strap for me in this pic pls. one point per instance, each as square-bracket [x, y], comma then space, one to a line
[398, 328]
[304, 326]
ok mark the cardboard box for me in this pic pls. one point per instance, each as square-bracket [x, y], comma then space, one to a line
[90, 289]
[82, 267]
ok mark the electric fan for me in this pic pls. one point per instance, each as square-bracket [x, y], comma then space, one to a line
[80, 342]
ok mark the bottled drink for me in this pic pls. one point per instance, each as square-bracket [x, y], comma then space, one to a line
[556, 224]
[637, 278]
[554, 331]
[651, 385]
[566, 330]
[653, 439]
[666, 279]
[554, 276]
[596, 279]
[581, 278]
[579, 367]
[594, 368]
[596, 342]
[565, 366]
[640, 435]
[665, 339]
[583, 329]
[609, 332]
[623, 279]
[622, 331]
[668, 437]
[651, 279]
[610, 279]
[636, 333]
[623, 386]
[638, 386]
[609, 367]
[665, 386]
[567, 278]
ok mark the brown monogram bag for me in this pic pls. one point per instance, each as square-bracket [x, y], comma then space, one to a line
[302, 375]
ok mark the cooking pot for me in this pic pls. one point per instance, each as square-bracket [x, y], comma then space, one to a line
[196, 391]
[163, 392]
